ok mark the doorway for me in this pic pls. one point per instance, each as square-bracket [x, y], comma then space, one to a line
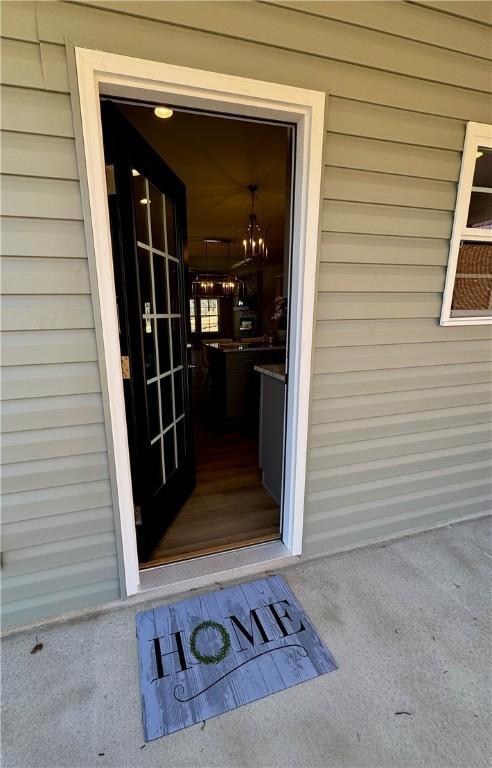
[201, 259]
[100, 73]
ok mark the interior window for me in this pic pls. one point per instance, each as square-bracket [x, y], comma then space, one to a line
[209, 315]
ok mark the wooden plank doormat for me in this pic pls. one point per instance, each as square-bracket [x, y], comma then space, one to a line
[209, 654]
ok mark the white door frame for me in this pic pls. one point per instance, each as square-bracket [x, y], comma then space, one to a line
[100, 72]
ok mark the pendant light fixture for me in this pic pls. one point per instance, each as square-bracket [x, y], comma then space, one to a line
[254, 241]
[212, 284]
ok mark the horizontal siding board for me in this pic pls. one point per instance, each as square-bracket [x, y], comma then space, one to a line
[376, 278]
[400, 355]
[57, 528]
[473, 10]
[36, 112]
[19, 612]
[217, 53]
[41, 198]
[21, 64]
[19, 20]
[347, 247]
[52, 238]
[33, 505]
[388, 189]
[383, 122]
[399, 424]
[51, 412]
[41, 347]
[51, 580]
[279, 27]
[419, 515]
[327, 385]
[55, 67]
[385, 404]
[23, 275]
[41, 557]
[369, 332]
[368, 471]
[31, 445]
[392, 487]
[402, 20]
[391, 157]
[364, 218]
[447, 501]
[28, 154]
[373, 306]
[50, 473]
[329, 457]
[20, 382]
[23, 313]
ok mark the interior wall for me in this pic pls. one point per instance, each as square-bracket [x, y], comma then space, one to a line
[399, 430]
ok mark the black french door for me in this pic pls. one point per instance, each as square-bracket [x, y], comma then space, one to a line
[147, 204]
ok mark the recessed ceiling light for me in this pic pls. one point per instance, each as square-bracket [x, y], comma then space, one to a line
[479, 154]
[134, 172]
[144, 201]
[163, 112]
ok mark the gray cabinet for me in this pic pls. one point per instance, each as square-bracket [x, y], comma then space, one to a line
[271, 439]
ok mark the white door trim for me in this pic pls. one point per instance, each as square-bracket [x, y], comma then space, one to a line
[100, 72]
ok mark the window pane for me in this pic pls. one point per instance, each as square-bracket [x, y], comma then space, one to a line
[472, 293]
[192, 316]
[209, 313]
[144, 280]
[173, 286]
[163, 338]
[480, 209]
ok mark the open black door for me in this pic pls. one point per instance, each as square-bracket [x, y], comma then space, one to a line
[147, 204]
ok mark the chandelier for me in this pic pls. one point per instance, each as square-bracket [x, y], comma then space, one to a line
[214, 284]
[254, 241]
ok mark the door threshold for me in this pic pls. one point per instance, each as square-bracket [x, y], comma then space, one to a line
[208, 570]
[212, 550]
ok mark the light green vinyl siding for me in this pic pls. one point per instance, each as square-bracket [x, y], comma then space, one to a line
[399, 430]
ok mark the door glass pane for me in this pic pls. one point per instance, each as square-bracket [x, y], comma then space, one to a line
[166, 401]
[163, 337]
[180, 435]
[153, 410]
[144, 278]
[178, 393]
[176, 334]
[148, 335]
[174, 286]
[140, 205]
[156, 465]
[169, 455]
[156, 217]
[171, 229]
[160, 283]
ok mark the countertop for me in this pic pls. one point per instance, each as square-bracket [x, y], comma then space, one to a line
[242, 346]
[275, 370]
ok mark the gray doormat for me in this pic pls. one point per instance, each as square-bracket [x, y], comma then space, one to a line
[204, 656]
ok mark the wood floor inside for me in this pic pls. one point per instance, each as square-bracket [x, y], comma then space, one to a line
[229, 507]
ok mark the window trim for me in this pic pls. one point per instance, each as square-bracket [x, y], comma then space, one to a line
[476, 134]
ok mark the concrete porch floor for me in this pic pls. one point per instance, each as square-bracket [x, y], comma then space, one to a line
[407, 621]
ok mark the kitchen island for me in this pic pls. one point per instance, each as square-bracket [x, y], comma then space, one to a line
[234, 385]
[271, 421]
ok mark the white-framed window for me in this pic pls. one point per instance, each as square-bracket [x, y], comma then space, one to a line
[467, 296]
[204, 316]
